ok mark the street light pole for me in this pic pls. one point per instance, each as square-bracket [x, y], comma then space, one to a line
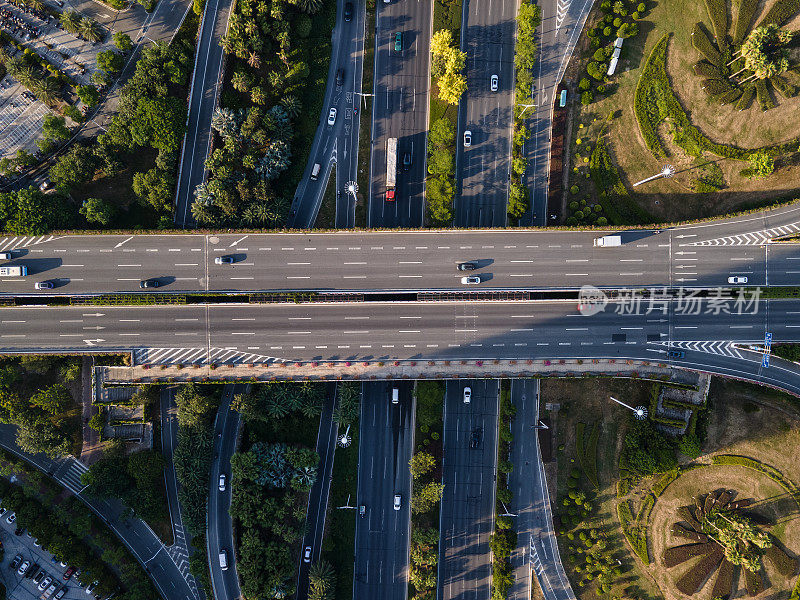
[667, 172]
[508, 513]
[640, 412]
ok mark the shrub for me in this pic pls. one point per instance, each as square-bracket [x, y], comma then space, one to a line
[718, 13]
[782, 85]
[607, 31]
[596, 70]
[707, 70]
[746, 98]
[586, 98]
[703, 44]
[744, 16]
[641, 7]
[694, 578]
[762, 94]
[780, 12]
[617, 22]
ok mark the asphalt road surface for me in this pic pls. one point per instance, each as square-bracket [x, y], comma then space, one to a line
[206, 80]
[562, 22]
[483, 169]
[225, 584]
[318, 497]
[382, 534]
[702, 255]
[338, 143]
[400, 110]
[469, 476]
[536, 554]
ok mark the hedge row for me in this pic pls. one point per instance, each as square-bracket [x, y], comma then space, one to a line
[635, 538]
[703, 44]
[680, 531]
[732, 95]
[746, 98]
[624, 485]
[744, 16]
[663, 482]
[753, 582]
[724, 582]
[786, 89]
[781, 11]
[784, 563]
[678, 404]
[705, 69]
[795, 595]
[676, 423]
[643, 515]
[590, 459]
[694, 578]
[718, 13]
[762, 93]
[680, 554]
[769, 471]
[715, 87]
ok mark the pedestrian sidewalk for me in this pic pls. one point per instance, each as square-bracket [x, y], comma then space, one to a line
[427, 369]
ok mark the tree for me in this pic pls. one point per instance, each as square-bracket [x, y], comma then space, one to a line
[155, 188]
[421, 464]
[55, 399]
[89, 95]
[425, 498]
[240, 81]
[90, 30]
[310, 6]
[447, 64]
[518, 202]
[321, 580]
[96, 210]
[764, 51]
[76, 166]
[46, 89]
[110, 61]
[97, 422]
[442, 133]
[122, 41]
[761, 165]
[159, 122]
[70, 21]
[194, 406]
[689, 445]
[628, 30]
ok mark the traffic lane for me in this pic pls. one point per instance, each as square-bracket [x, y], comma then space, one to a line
[385, 449]
[469, 483]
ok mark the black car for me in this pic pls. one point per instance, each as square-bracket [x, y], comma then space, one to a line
[406, 161]
[676, 354]
[149, 283]
[467, 266]
[475, 441]
[348, 11]
[339, 77]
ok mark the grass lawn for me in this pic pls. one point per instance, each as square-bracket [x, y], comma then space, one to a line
[674, 199]
[745, 419]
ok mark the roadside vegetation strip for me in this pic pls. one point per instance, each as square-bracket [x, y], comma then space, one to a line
[768, 470]
[427, 489]
[338, 546]
[528, 19]
[504, 538]
[70, 530]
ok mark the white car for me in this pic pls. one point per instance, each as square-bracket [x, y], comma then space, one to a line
[23, 568]
[737, 279]
[307, 554]
[11, 518]
[44, 583]
[467, 395]
[397, 501]
[222, 482]
[332, 116]
[467, 138]
[471, 280]
[494, 83]
[43, 285]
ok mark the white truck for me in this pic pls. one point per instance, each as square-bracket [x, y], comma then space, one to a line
[13, 271]
[607, 241]
[391, 168]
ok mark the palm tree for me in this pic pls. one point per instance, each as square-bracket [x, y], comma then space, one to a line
[240, 81]
[310, 6]
[320, 581]
[291, 105]
[90, 30]
[202, 211]
[254, 60]
[46, 89]
[70, 21]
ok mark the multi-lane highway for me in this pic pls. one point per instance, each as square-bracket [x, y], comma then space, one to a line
[205, 83]
[400, 110]
[536, 554]
[469, 478]
[483, 169]
[338, 143]
[699, 255]
[562, 22]
[318, 496]
[225, 584]
[386, 438]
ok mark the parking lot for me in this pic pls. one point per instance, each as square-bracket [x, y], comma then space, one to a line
[19, 587]
[20, 118]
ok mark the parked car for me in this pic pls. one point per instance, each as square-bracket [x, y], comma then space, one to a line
[46, 185]
[68, 573]
[44, 583]
[332, 115]
[23, 568]
[33, 571]
[37, 579]
[15, 561]
[467, 266]
[224, 260]
[11, 518]
[44, 285]
[471, 280]
[307, 554]
[737, 279]
[222, 482]
[467, 138]
[494, 83]
[92, 586]
[467, 395]
[60, 593]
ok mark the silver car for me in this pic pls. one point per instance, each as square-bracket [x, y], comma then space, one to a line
[332, 116]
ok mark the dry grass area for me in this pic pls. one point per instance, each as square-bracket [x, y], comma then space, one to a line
[744, 419]
[673, 199]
